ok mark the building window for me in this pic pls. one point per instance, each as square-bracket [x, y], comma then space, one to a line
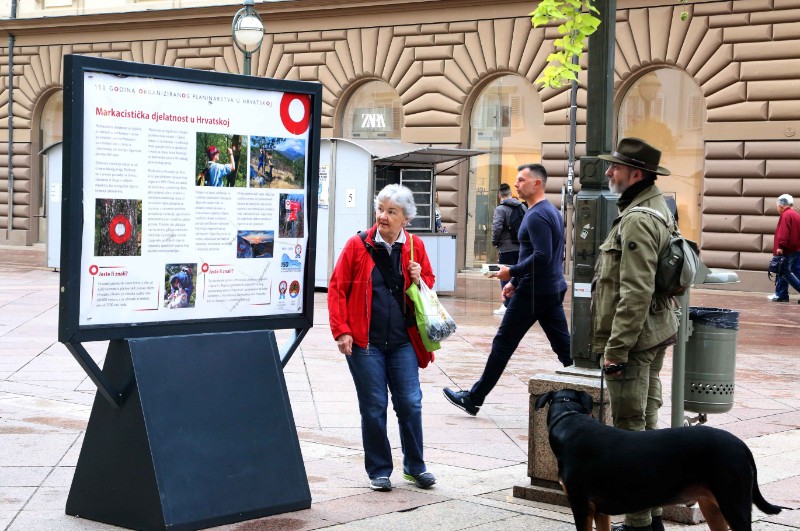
[666, 108]
[374, 111]
[507, 121]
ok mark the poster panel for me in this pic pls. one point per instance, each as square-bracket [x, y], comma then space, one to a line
[188, 200]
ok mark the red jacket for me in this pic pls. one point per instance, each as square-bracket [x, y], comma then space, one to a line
[787, 235]
[350, 289]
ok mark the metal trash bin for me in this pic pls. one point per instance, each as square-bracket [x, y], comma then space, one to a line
[711, 360]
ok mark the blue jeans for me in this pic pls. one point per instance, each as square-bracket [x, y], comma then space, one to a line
[790, 275]
[524, 309]
[508, 258]
[373, 372]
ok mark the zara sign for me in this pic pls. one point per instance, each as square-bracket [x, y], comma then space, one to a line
[369, 121]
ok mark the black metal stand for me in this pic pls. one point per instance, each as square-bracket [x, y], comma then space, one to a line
[202, 435]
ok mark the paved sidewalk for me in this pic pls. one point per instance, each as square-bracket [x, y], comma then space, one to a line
[45, 401]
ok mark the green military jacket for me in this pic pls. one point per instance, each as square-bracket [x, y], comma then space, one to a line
[628, 315]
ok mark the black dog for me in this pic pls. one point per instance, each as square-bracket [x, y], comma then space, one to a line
[605, 470]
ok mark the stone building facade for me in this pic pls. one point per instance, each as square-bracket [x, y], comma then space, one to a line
[719, 92]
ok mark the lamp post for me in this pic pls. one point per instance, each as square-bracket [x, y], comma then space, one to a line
[248, 32]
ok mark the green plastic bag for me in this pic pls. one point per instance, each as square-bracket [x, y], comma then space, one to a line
[419, 313]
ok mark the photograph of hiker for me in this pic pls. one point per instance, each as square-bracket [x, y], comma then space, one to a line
[179, 280]
[219, 160]
[277, 162]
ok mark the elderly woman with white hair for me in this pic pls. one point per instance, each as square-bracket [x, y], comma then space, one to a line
[373, 323]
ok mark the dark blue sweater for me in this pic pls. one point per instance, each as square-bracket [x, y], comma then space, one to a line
[541, 250]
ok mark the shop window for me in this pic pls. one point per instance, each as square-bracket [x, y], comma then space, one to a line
[373, 111]
[507, 122]
[666, 108]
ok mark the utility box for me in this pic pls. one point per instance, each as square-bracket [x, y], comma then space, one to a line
[352, 172]
[711, 353]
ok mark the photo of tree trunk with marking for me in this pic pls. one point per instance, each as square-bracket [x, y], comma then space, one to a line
[118, 227]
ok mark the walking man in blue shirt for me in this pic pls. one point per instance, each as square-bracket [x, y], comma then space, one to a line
[535, 292]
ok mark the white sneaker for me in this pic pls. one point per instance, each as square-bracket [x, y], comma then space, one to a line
[500, 311]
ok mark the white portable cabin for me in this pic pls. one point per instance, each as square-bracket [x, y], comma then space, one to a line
[353, 171]
[53, 155]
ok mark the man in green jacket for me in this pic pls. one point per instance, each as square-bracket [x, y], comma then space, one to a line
[632, 323]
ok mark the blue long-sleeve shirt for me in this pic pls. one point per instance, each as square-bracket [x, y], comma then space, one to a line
[541, 250]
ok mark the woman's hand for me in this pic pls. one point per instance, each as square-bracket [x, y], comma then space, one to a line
[414, 271]
[345, 344]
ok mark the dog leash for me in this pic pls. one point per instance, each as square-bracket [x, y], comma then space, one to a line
[601, 415]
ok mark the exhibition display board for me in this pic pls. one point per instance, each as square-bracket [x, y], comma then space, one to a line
[188, 237]
[186, 201]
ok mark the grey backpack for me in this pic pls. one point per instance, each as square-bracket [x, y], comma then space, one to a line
[678, 263]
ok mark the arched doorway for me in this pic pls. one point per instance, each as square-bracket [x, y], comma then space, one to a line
[507, 121]
[49, 131]
[373, 111]
[666, 108]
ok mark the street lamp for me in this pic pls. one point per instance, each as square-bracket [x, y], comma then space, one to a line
[248, 32]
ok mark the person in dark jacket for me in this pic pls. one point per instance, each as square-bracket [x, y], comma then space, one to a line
[507, 246]
[373, 331]
[536, 289]
[787, 243]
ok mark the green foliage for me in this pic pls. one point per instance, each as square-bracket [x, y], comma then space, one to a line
[578, 23]
[684, 14]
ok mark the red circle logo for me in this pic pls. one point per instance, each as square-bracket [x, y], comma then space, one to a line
[93, 269]
[119, 229]
[296, 112]
[204, 268]
[294, 288]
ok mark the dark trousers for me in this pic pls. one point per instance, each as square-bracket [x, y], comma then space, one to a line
[508, 258]
[374, 371]
[524, 309]
[790, 276]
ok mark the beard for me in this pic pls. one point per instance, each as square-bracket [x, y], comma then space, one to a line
[616, 188]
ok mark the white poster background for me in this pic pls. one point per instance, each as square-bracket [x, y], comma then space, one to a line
[140, 145]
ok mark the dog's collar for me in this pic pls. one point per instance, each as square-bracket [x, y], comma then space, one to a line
[561, 416]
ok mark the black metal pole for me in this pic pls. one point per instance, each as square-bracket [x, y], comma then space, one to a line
[595, 205]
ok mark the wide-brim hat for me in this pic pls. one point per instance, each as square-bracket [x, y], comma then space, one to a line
[637, 153]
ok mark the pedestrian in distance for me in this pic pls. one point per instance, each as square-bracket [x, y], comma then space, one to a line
[633, 323]
[787, 244]
[505, 225]
[535, 290]
[373, 323]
